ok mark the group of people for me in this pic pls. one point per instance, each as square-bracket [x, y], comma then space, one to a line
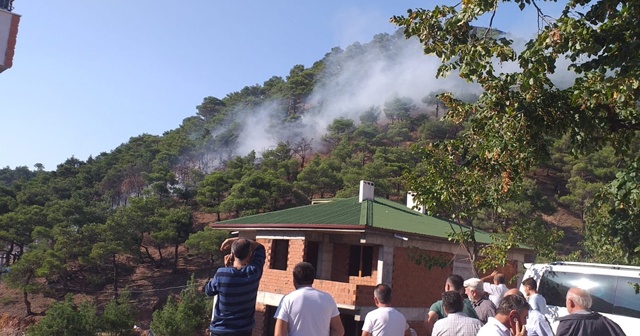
[303, 312]
[491, 309]
[473, 307]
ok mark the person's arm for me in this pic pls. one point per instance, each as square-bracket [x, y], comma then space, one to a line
[489, 278]
[543, 328]
[281, 328]
[432, 317]
[210, 288]
[227, 244]
[366, 333]
[336, 327]
[407, 332]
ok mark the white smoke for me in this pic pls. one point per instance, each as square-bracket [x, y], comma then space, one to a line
[354, 81]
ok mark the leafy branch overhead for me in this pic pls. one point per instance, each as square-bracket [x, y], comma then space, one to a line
[510, 126]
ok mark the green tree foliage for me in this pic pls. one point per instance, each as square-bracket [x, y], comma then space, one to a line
[398, 109]
[320, 178]
[207, 243]
[66, 319]
[210, 108]
[370, 116]
[510, 123]
[186, 316]
[612, 229]
[212, 191]
[175, 225]
[24, 276]
[119, 316]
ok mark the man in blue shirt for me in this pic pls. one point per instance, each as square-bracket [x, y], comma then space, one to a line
[236, 285]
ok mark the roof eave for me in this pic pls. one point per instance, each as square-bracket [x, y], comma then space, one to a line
[297, 227]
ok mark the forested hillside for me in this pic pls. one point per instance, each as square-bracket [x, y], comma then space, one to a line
[365, 112]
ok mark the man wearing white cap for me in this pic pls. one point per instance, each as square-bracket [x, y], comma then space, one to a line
[484, 307]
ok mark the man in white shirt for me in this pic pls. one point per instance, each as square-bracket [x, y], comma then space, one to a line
[456, 323]
[536, 301]
[510, 319]
[307, 311]
[386, 320]
[497, 288]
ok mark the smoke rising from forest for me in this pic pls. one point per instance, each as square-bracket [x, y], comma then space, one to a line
[354, 80]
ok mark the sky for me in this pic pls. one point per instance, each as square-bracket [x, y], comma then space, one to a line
[88, 75]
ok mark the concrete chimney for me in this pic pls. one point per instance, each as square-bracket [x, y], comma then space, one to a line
[412, 203]
[366, 191]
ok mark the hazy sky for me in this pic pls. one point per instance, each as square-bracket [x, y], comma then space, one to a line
[88, 75]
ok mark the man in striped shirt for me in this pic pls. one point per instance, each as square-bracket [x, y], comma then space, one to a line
[236, 285]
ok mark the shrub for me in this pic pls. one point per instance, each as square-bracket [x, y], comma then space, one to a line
[188, 316]
[118, 317]
[66, 319]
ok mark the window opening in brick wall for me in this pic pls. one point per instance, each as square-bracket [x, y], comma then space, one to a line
[360, 260]
[279, 254]
[311, 253]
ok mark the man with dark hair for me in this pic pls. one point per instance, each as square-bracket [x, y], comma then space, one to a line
[536, 301]
[496, 288]
[385, 320]
[583, 322]
[537, 324]
[236, 285]
[307, 311]
[510, 319]
[454, 282]
[456, 323]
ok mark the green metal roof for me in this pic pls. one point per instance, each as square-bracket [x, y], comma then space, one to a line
[378, 213]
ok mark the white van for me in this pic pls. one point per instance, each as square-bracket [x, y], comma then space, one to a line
[612, 288]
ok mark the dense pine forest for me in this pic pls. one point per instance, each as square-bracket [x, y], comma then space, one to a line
[364, 112]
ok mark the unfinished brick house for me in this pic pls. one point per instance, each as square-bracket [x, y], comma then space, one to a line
[356, 243]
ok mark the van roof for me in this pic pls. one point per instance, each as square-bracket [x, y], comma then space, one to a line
[584, 264]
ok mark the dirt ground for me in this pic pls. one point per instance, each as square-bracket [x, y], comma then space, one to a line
[149, 286]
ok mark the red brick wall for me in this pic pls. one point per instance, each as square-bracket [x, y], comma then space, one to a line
[11, 45]
[296, 253]
[261, 326]
[415, 285]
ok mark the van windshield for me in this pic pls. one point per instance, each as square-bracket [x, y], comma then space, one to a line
[610, 294]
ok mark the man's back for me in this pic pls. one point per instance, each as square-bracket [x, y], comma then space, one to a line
[496, 292]
[484, 309]
[457, 324]
[539, 303]
[307, 311]
[537, 324]
[385, 321]
[467, 309]
[587, 323]
[237, 290]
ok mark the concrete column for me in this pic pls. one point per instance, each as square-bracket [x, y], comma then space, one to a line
[325, 253]
[385, 264]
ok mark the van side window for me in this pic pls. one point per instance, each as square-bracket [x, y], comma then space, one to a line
[627, 302]
[554, 287]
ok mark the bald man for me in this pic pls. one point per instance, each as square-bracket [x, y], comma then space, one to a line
[581, 321]
[495, 289]
[537, 323]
